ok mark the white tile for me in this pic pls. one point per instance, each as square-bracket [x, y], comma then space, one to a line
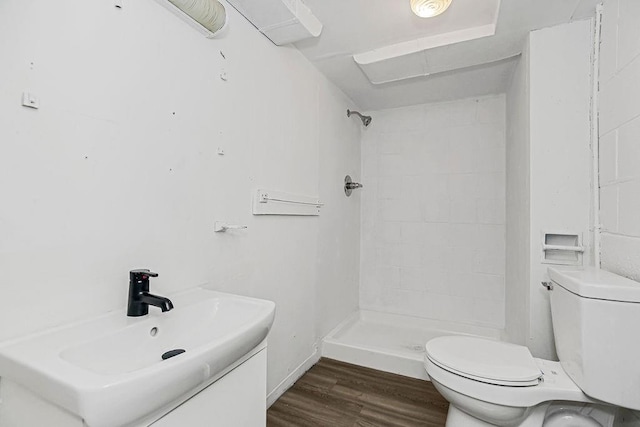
[435, 198]
[413, 232]
[442, 307]
[609, 157]
[389, 276]
[462, 211]
[369, 203]
[370, 164]
[621, 255]
[620, 98]
[389, 145]
[431, 185]
[460, 259]
[609, 44]
[413, 187]
[486, 237]
[477, 149]
[391, 165]
[459, 283]
[491, 211]
[490, 185]
[491, 238]
[436, 234]
[491, 154]
[463, 112]
[463, 186]
[369, 141]
[389, 232]
[412, 142]
[411, 255]
[629, 150]
[428, 158]
[628, 31]
[463, 150]
[488, 313]
[390, 187]
[491, 110]
[408, 118]
[437, 116]
[410, 303]
[413, 279]
[435, 257]
[389, 255]
[400, 210]
[490, 262]
[629, 208]
[368, 255]
[463, 235]
[489, 287]
[436, 209]
[435, 282]
[480, 185]
[490, 136]
[465, 311]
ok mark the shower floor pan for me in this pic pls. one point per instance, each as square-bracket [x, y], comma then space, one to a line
[390, 342]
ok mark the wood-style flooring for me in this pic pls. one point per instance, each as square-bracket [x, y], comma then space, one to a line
[339, 394]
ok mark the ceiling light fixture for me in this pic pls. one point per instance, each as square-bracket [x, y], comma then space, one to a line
[429, 8]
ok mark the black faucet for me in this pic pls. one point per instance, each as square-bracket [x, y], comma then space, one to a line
[139, 296]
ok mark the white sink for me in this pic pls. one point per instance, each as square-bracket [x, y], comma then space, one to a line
[109, 370]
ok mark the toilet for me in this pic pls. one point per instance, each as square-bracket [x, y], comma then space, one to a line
[596, 323]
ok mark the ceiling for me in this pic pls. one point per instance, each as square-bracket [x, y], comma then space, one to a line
[416, 60]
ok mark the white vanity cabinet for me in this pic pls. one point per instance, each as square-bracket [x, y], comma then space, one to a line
[238, 399]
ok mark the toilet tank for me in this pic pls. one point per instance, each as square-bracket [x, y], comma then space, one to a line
[596, 323]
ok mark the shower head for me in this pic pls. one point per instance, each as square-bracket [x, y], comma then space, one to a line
[366, 120]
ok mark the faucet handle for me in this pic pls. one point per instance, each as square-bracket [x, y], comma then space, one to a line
[142, 272]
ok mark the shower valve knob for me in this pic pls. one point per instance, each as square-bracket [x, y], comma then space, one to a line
[349, 185]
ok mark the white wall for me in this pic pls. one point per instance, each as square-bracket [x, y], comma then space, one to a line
[518, 194]
[338, 272]
[433, 211]
[560, 157]
[620, 137]
[118, 169]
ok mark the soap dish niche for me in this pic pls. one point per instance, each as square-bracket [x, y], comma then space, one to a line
[562, 248]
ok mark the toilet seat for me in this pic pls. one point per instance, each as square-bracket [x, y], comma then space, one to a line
[492, 362]
[554, 385]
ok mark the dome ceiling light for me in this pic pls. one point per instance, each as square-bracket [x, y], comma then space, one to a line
[429, 8]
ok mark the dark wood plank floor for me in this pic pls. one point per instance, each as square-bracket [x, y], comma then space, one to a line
[338, 394]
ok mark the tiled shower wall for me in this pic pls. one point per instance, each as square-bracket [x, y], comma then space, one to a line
[433, 211]
[620, 137]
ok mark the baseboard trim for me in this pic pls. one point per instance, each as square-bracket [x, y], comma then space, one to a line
[294, 376]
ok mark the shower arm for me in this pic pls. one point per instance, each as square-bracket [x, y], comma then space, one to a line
[349, 113]
[366, 120]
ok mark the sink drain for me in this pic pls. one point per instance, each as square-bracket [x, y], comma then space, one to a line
[153, 332]
[171, 353]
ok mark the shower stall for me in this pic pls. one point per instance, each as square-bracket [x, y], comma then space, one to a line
[433, 233]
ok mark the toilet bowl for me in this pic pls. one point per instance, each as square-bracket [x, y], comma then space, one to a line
[570, 414]
[492, 383]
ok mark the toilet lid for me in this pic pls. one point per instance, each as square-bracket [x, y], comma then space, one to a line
[494, 362]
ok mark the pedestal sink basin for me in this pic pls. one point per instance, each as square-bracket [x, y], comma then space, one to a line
[109, 370]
